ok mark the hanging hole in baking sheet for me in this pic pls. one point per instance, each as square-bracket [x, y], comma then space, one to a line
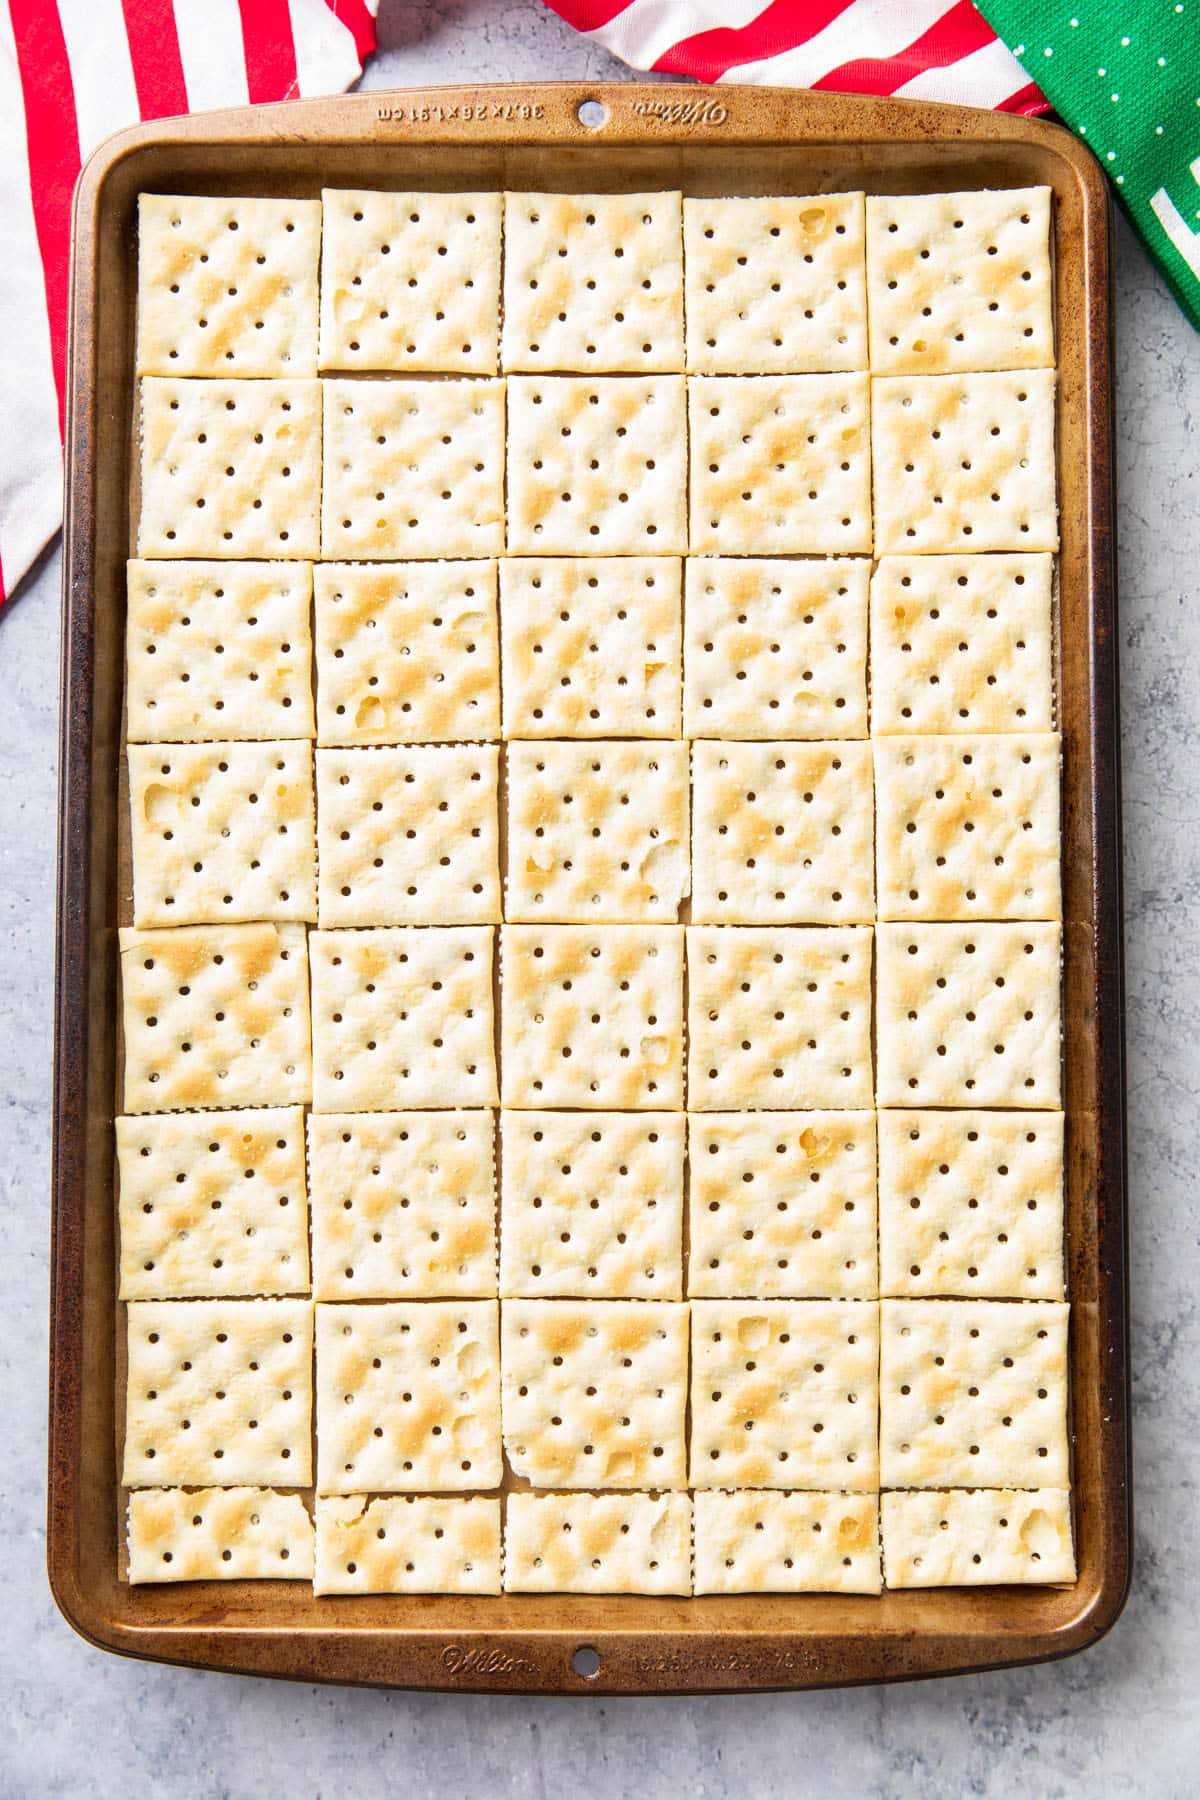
[586, 1660]
[593, 114]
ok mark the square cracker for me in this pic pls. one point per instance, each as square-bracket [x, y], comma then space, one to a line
[407, 1544]
[964, 462]
[403, 1205]
[973, 1393]
[215, 1016]
[591, 1205]
[961, 643]
[968, 1015]
[406, 653]
[774, 1543]
[574, 663]
[776, 649]
[784, 1394]
[413, 468]
[597, 831]
[227, 286]
[217, 650]
[593, 281]
[965, 1539]
[971, 1203]
[775, 284]
[782, 1205]
[220, 1392]
[230, 468]
[592, 1016]
[960, 281]
[222, 832]
[402, 1014]
[598, 1544]
[968, 827]
[780, 464]
[597, 468]
[408, 1396]
[213, 1204]
[778, 1017]
[594, 1392]
[218, 1534]
[409, 836]
[784, 833]
[410, 281]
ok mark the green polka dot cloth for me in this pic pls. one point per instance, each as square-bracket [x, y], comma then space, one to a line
[1127, 79]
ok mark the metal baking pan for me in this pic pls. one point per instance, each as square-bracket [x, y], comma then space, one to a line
[723, 141]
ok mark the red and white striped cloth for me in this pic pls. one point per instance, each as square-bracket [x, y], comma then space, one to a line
[71, 72]
[913, 49]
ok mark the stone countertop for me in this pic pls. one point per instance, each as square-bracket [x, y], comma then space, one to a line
[1121, 1720]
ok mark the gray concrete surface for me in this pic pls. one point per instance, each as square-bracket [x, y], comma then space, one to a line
[1122, 1720]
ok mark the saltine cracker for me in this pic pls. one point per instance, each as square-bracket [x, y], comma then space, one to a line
[408, 1397]
[217, 650]
[218, 1392]
[215, 1016]
[973, 1393]
[403, 1205]
[597, 831]
[591, 1205]
[594, 1392]
[409, 835]
[213, 1204]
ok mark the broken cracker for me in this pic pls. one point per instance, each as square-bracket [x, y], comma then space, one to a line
[969, 1539]
[218, 1534]
[776, 1543]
